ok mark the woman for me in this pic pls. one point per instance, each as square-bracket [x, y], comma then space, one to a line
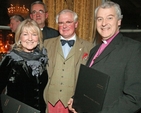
[23, 69]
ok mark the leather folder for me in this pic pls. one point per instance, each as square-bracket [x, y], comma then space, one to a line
[11, 105]
[90, 90]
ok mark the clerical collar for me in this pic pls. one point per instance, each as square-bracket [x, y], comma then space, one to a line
[104, 41]
[72, 38]
[41, 29]
[110, 39]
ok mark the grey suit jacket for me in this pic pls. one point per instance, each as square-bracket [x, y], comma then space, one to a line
[121, 60]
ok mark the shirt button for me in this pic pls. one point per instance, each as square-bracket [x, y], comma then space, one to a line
[60, 90]
[36, 90]
[36, 98]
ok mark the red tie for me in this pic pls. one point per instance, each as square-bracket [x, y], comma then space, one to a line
[99, 51]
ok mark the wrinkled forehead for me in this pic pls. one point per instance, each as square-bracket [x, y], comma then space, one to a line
[37, 7]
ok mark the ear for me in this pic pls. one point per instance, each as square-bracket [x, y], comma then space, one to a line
[46, 15]
[31, 16]
[119, 22]
[76, 24]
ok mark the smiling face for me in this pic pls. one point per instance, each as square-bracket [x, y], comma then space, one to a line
[29, 40]
[39, 14]
[107, 22]
[67, 25]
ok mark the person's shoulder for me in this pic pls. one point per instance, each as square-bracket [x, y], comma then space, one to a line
[50, 29]
[50, 32]
[131, 41]
[129, 45]
[51, 40]
[85, 42]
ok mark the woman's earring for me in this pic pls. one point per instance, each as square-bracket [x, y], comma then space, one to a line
[19, 42]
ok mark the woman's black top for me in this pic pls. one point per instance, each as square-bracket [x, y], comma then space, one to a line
[25, 76]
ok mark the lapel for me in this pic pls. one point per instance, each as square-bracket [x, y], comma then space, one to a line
[56, 43]
[92, 53]
[71, 53]
[79, 46]
[59, 48]
[115, 42]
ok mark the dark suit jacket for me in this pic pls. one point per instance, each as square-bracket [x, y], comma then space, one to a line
[121, 60]
[49, 33]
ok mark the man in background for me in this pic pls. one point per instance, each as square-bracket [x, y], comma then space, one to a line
[38, 12]
[15, 21]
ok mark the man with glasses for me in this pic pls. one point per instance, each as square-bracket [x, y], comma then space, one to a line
[66, 53]
[39, 14]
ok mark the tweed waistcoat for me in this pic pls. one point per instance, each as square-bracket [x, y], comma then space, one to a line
[62, 83]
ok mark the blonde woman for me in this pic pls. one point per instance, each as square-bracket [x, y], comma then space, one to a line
[23, 69]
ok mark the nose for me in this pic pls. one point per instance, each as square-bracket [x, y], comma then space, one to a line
[37, 14]
[64, 25]
[104, 22]
[30, 37]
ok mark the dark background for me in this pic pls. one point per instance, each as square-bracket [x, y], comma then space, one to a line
[131, 23]
[131, 10]
[4, 4]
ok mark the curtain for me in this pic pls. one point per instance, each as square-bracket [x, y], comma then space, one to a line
[85, 10]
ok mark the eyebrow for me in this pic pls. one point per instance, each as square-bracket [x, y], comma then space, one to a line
[106, 16]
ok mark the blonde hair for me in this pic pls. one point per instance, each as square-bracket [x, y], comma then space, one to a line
[28, 25]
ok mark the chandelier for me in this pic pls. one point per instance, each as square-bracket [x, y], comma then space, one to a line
[21, 10]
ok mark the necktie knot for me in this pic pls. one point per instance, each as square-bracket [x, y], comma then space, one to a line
[70, 42]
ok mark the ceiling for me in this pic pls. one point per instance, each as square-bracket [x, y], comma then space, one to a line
[131, 10]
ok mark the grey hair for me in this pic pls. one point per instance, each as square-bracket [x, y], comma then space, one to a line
[38, 2]
[17, 18]
[75, 17]
[109, 4]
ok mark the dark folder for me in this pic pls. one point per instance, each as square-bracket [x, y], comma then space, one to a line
[11, 105]
[90, 90]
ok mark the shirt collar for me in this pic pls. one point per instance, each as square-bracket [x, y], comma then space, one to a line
[110, 39]
[72, 38]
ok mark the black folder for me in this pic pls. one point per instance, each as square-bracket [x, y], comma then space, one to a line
[90, 90]
[11, 105]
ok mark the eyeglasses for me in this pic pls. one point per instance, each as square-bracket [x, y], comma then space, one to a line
[40, 12]
[67, 23]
